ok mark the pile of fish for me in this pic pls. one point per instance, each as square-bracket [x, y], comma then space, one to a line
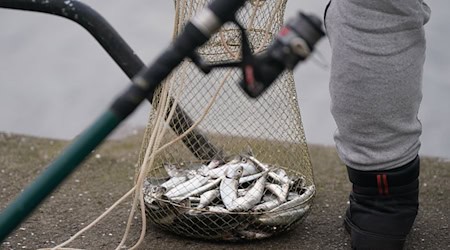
[243, 185]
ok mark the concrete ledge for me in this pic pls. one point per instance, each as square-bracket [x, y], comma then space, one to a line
[109, 173]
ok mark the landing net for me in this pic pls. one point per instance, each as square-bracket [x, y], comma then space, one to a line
[186, 191]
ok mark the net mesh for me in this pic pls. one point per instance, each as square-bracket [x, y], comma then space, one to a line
[266, 133]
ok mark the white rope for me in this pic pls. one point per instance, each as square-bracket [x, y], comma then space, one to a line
[94, 222]
[157, 151]
[159, 131]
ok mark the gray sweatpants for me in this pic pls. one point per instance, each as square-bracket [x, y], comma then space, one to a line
[378, 51]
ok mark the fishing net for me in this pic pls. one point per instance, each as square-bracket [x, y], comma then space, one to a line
[224, 166]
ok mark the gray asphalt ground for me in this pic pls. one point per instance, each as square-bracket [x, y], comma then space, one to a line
[109, 173]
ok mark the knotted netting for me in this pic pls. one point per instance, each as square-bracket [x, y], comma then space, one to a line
[218, 164]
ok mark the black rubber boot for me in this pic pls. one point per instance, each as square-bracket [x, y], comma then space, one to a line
[383, 206]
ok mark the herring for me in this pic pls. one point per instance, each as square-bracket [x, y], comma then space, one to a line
[281, 192]
[173, 182]
[187, 186]
[213, 164]
[249, 167]
[252, 177]
[229, 185]
[250, 199]
[199, 190]
[207, 197]
[267, 205]
[306, 196]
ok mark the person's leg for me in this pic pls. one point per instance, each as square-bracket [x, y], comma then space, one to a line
[378, 51]
[383, 206]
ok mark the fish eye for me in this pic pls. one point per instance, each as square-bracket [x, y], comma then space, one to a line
[244, 160]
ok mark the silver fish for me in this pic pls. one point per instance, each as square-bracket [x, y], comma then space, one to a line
[220, 171]
[274, 189]
[268, 205]
[280, 191]
[187, 186]
[283, 218]
[259, 164]
[250, 199]
[248, 169]
[213, 164]
[203, 170]
[207, 197]
[285, 191]
[199, 190]
[173, 182]
[268, 196]
[306, 196]
[252, 177]
[283, 175]
[236, 159]
[229, 185]
[281, 172]
[279, 179]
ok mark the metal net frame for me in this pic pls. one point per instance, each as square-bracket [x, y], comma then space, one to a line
[267, 132]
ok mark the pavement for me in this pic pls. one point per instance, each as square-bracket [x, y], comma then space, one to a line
[109, 174]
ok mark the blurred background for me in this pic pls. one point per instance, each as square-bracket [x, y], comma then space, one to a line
[55, 79]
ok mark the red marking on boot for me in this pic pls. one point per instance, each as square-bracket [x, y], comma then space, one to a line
[284, 31]
[386, 186]
[249, 76]
[380, 187]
